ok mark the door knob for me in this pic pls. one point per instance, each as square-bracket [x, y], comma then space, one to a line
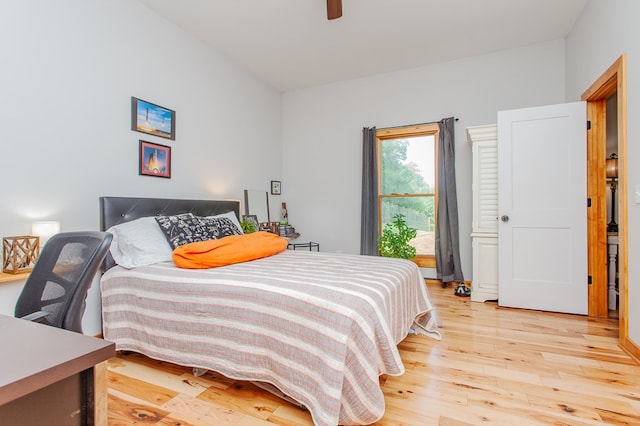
[504, 218]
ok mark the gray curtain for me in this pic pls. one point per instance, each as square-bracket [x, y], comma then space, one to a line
[448, 265]
[369, 205]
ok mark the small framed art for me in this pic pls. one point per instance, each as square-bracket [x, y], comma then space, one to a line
[276, 187]
[155, 160]
[152, 119]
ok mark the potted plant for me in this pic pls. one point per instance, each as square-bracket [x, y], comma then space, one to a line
[394, 241]
[248, 226]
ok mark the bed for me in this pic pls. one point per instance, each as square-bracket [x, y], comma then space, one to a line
[319, 328]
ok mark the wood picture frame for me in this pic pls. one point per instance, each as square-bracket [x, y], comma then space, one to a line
[154, 160]
[147, 117]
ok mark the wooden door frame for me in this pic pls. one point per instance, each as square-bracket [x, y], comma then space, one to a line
[612, 81]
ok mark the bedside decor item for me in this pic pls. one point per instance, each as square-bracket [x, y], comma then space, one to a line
[284, 215]
[274, 227]
[276, 187]
[20, 253]
[394, 241]
[155, 160]
[152, 119]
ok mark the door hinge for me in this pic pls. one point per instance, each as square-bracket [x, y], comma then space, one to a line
[588, 202]
[588, 124]
[589, 280]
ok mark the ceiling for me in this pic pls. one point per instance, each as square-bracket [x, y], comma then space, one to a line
[290, 44]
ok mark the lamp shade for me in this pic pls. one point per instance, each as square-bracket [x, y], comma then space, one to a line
[45, 230]
[612, 166]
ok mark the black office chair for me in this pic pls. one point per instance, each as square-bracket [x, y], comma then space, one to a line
[56, 291]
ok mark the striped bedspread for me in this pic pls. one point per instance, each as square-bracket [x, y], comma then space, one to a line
[320, 327]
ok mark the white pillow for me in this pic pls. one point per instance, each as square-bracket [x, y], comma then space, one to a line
[139, 243]
[231, 216]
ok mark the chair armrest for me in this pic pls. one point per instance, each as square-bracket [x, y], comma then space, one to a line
[37, 316]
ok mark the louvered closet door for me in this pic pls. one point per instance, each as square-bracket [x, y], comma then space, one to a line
[484, 236]
[486, 188]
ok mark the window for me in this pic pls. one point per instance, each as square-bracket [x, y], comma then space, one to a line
[407, 183]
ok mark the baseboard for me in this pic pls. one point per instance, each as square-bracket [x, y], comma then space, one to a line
[631, 349]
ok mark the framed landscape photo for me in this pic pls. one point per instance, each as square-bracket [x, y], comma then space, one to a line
[152, 119]
[276, 187]
[155, 160]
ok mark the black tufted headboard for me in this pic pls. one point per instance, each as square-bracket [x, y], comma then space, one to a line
[116, 210]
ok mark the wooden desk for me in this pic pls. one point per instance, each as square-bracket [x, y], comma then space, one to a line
[51, 376]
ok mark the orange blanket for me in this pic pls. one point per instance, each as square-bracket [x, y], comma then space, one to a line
[228, 250]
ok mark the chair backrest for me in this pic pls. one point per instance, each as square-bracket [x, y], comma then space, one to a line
[62, 276]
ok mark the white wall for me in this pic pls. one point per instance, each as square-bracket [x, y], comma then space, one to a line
[322, 142]
[69, 69]
[603, 33]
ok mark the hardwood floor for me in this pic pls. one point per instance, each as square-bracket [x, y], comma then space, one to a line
[493, 366]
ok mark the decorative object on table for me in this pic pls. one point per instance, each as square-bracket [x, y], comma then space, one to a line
[265, 226]
[152, 119]
[276, 187]
[274, 227]
[45, 230]
[20, 253]
[394, 241]
[155, 160]
[249, 223]
[284, 214]
[612, 177]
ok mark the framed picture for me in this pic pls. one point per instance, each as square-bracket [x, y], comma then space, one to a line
[155, 159]
[253, 219]
[276, 187]
[152, 119]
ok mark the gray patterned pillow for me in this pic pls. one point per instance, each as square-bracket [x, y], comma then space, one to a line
[182, 229]
[219, 227]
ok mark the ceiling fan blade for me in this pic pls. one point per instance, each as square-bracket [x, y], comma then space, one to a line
[334, 9]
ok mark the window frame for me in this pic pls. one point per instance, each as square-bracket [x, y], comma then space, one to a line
[430, 129]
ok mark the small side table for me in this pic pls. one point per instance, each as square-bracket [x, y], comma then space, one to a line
[310, 245]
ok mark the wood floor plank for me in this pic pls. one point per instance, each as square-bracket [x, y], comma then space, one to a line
[145, 390]
[123, 412]
[186, 408]
[494, 365]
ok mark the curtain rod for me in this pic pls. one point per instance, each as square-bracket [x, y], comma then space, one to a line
[418, 124]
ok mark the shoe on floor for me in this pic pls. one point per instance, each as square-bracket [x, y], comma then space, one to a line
[462, 290]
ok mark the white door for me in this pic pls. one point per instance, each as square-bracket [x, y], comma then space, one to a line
[542, 208]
